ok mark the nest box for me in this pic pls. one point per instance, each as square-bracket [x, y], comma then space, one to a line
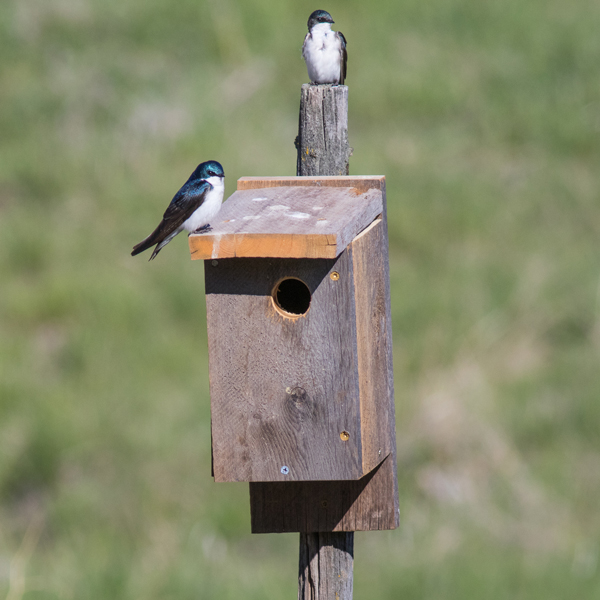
[299, 332]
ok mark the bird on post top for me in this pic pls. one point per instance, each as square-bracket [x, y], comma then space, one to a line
[324, 50]
[193, 206]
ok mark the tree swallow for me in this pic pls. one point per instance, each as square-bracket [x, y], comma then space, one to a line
[192, 207]
[324, 50]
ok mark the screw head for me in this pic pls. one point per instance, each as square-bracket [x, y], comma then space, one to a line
[335, 276]
[344, 436]
[215, 263]
[284, 470]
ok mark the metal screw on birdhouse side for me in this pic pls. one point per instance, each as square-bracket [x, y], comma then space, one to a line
[284, 470]
[335, 276]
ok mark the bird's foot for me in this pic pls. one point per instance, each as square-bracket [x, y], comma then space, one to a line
[204, 229]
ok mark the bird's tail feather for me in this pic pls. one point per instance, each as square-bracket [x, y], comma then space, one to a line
[144, 244]
[156, 237]
[163, 243]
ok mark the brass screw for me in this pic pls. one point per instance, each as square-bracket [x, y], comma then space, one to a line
[344, 436]
[335, 276]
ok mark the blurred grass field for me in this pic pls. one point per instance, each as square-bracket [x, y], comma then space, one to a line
[484, 117]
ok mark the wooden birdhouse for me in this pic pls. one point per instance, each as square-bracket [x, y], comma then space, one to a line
[299, 334]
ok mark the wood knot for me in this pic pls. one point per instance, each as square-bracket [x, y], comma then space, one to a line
[297, 394]
[299, 407]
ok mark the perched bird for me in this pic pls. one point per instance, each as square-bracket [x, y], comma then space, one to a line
[324, 50]
[192, 207]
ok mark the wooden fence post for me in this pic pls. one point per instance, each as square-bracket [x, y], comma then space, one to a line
[326, 563]
[325, 570]
[322, 140]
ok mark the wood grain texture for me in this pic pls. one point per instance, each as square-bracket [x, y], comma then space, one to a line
[325, 566]
[369, 504]
[374, 342]
[288, 222]
[360, 183]
[258, 245]
[322, 141]
[283, 388]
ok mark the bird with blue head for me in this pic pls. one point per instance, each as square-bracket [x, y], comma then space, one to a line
[191, 209]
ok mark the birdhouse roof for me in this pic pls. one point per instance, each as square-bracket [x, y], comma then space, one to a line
[291, 217]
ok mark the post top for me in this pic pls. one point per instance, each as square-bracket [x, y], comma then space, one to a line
[291, 217]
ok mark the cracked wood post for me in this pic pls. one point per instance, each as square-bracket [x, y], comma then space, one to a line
[325, 570]
[322, 141]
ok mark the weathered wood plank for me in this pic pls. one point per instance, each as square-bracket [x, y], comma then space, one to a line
[325, 566]
[288, 222]
[361, 183]
[322, 141]
[374, 335]
[261, 245]
[368, 504]
[283, 388]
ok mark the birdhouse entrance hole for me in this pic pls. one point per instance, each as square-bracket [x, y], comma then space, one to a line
[292, 297]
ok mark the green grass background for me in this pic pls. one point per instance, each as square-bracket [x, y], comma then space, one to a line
[485, 118]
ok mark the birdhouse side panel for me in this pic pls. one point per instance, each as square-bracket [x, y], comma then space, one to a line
[284, 387]
[374, 331]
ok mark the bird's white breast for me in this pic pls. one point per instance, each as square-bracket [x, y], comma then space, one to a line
[209, 208]
[322, 53]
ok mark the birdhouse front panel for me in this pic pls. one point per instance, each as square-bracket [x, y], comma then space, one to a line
[284, 369]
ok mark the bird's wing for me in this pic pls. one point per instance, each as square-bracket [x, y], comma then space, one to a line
[184, 203]
[306, 37]
[344, 57]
